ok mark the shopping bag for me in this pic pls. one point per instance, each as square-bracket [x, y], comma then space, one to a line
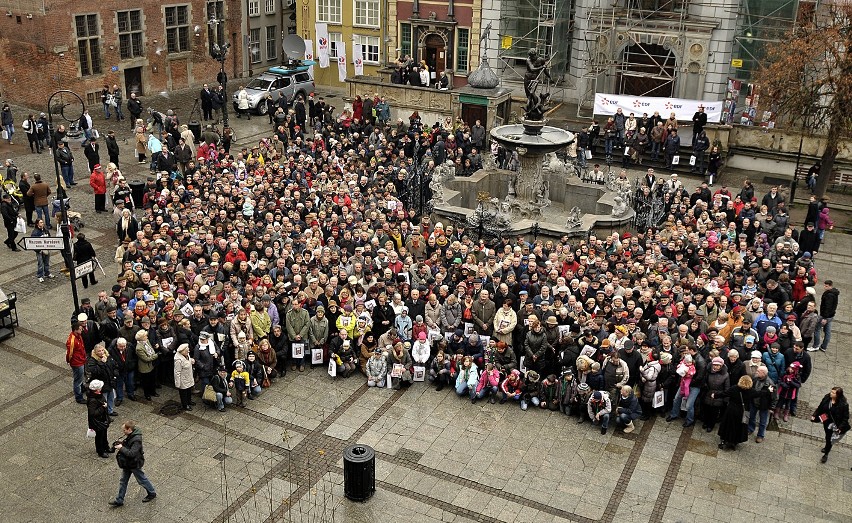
[692, 160]
[5, 134]
[675, 159]
[332, 368]
[588, 154]
[316, 356]
[298, 350]
[659, 399]
[90, 433]
[21, 225]
[419, 373]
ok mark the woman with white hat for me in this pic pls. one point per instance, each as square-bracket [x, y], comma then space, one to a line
[99, 419]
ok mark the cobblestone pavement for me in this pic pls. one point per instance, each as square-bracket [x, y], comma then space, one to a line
[438, 458]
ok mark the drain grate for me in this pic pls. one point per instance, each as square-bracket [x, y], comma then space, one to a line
[220, 456]
[170, 409]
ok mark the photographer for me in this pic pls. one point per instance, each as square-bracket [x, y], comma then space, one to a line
[131, 459]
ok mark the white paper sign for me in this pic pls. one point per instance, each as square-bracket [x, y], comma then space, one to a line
[397, 370]
[564, 331]
[332, 368]
[468, 329]
[187, 310]
[298, 350]
[370, 305]
[316, 356]
[322, 44]
[434, 335]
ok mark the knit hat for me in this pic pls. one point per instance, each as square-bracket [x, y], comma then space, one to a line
[96, 385]
[421, 336]
[533, 376]
[755, 354]
[597, 396]
[583, 387]
[717, 361]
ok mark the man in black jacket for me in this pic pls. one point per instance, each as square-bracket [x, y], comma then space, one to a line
[10, 220]
[827, 310]
[112, 148]
[125, 362]
[131, 459]
[206, 103]
[92, 152]
[134, 107]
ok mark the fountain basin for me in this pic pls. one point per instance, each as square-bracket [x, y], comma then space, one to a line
[547, 140]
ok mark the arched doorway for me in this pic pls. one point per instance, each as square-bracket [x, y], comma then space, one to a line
[435, 54]
[647, 70]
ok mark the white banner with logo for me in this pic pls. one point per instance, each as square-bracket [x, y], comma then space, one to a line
[309, 54]
[322, 44]
[607, 104]
[358, 59]
[341, 61]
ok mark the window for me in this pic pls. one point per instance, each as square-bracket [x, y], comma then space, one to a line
[271, 44]
[215, 32]
[462, 48]
[88, 44]
[367, 13]
[335, 41]
[177, 29]
[270, 7]
[130, 33]
[254, 7]
[330, 11]
[369, 47]
[254, 45]
[404, 40]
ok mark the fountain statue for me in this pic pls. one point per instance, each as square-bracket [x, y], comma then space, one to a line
[532, 139]
[619, 207]
[574, 218]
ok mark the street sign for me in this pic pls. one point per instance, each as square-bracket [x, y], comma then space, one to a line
[83, 269]
[42, 243]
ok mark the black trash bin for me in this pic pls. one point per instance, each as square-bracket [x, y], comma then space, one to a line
[195, 127]
[359, 472]
[137, 190]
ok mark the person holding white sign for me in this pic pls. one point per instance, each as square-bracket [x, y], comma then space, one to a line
[84, 252]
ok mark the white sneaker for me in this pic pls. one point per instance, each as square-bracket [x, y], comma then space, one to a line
[813, 349]
[51, 276]
[40, 279]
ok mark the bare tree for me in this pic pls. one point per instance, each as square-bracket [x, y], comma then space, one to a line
[808, 78]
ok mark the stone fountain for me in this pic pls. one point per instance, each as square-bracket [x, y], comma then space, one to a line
[537, 198]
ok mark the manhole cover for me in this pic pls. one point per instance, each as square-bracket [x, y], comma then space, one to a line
[170, 409]
[409, 455]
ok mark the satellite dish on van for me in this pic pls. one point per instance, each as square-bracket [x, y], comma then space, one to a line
[294, 47]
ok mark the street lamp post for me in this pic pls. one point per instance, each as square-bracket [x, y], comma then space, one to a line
[219, 52]
[61, 192]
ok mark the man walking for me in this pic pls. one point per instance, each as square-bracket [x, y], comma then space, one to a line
[75, 356]
[39, 191]
[131, 458]
[10, 220]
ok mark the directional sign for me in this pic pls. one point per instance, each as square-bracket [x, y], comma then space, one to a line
[83, 269]
[42, 243]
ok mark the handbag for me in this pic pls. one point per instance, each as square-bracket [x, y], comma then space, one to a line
[90, 433]
[746, 413]
[5, 134]
[209, 393]
[20, 225]
[266, 383]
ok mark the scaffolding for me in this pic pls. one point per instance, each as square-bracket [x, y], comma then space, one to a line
[647, 63]
[543, 25]
[760, 22]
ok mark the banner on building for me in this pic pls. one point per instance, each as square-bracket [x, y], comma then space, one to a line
[341, 61]
[309, 54]
[322, 44]
[607, 104]
[358, 59]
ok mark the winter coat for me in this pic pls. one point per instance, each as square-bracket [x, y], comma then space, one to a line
[535, 344]
[377, 368]
[717, 382]
[420, 352]
[317, 331]
[131, 456]
[470, 376]
[488, 379]
[763, 399]
[732, 430]
[146, 357]
[512, 389]
[604, 407]
[98, 182]
[649, 372]
[615, 374]
[788, 386]
[183, 372]
[837, 413]
[104, 371]
[98, 414]
[827, 304]
[433, 316]
[630, 406]
[508, 321]
[775, 364]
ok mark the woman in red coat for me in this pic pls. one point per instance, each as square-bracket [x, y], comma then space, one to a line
[358, 109]
[98, 183]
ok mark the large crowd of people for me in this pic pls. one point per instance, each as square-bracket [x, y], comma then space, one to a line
[300, 251]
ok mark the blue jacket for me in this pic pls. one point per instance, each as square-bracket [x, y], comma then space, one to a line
[630, 406]
[775, 363]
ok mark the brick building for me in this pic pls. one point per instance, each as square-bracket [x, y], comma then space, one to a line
[144, 46]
